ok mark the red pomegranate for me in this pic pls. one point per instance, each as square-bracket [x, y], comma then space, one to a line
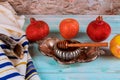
[37, 30]
[98, 30]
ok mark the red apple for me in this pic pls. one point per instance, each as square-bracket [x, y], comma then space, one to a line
[98, 30]
[69, 28]
[37, 30]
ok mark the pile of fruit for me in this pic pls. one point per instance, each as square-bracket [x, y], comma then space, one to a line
[97, 30]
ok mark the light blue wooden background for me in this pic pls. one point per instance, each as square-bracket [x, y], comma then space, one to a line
[106, 67]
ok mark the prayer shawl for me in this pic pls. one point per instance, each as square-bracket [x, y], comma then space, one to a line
[12, 68]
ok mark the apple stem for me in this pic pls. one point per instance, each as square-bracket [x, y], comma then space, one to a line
[32, 20]
[99, 18]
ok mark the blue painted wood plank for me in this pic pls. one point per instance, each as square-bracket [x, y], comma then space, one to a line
[80, 76]
[106, 67]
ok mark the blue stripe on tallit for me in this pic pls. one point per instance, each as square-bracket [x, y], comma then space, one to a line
[30, 66]
[30, 62]
[29, 73]
[3, 46]
[12, 57]
[5, 64]
[25, 51]
[10, 76]
[25, 43]
[2, 54]
[31, 76]
[19, 38]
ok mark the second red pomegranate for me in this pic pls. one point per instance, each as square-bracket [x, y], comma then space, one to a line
[98, 30]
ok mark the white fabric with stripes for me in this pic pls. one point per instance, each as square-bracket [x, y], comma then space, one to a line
[12, 68]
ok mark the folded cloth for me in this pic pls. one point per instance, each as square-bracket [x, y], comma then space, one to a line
[11, 67]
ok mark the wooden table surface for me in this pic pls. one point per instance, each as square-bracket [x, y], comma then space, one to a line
[105, 67]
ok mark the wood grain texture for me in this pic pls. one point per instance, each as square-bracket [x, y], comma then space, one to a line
[106, 67]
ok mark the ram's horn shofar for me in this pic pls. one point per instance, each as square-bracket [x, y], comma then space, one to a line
[13, 45]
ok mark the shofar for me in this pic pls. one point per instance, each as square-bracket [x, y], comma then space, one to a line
[15, 48]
